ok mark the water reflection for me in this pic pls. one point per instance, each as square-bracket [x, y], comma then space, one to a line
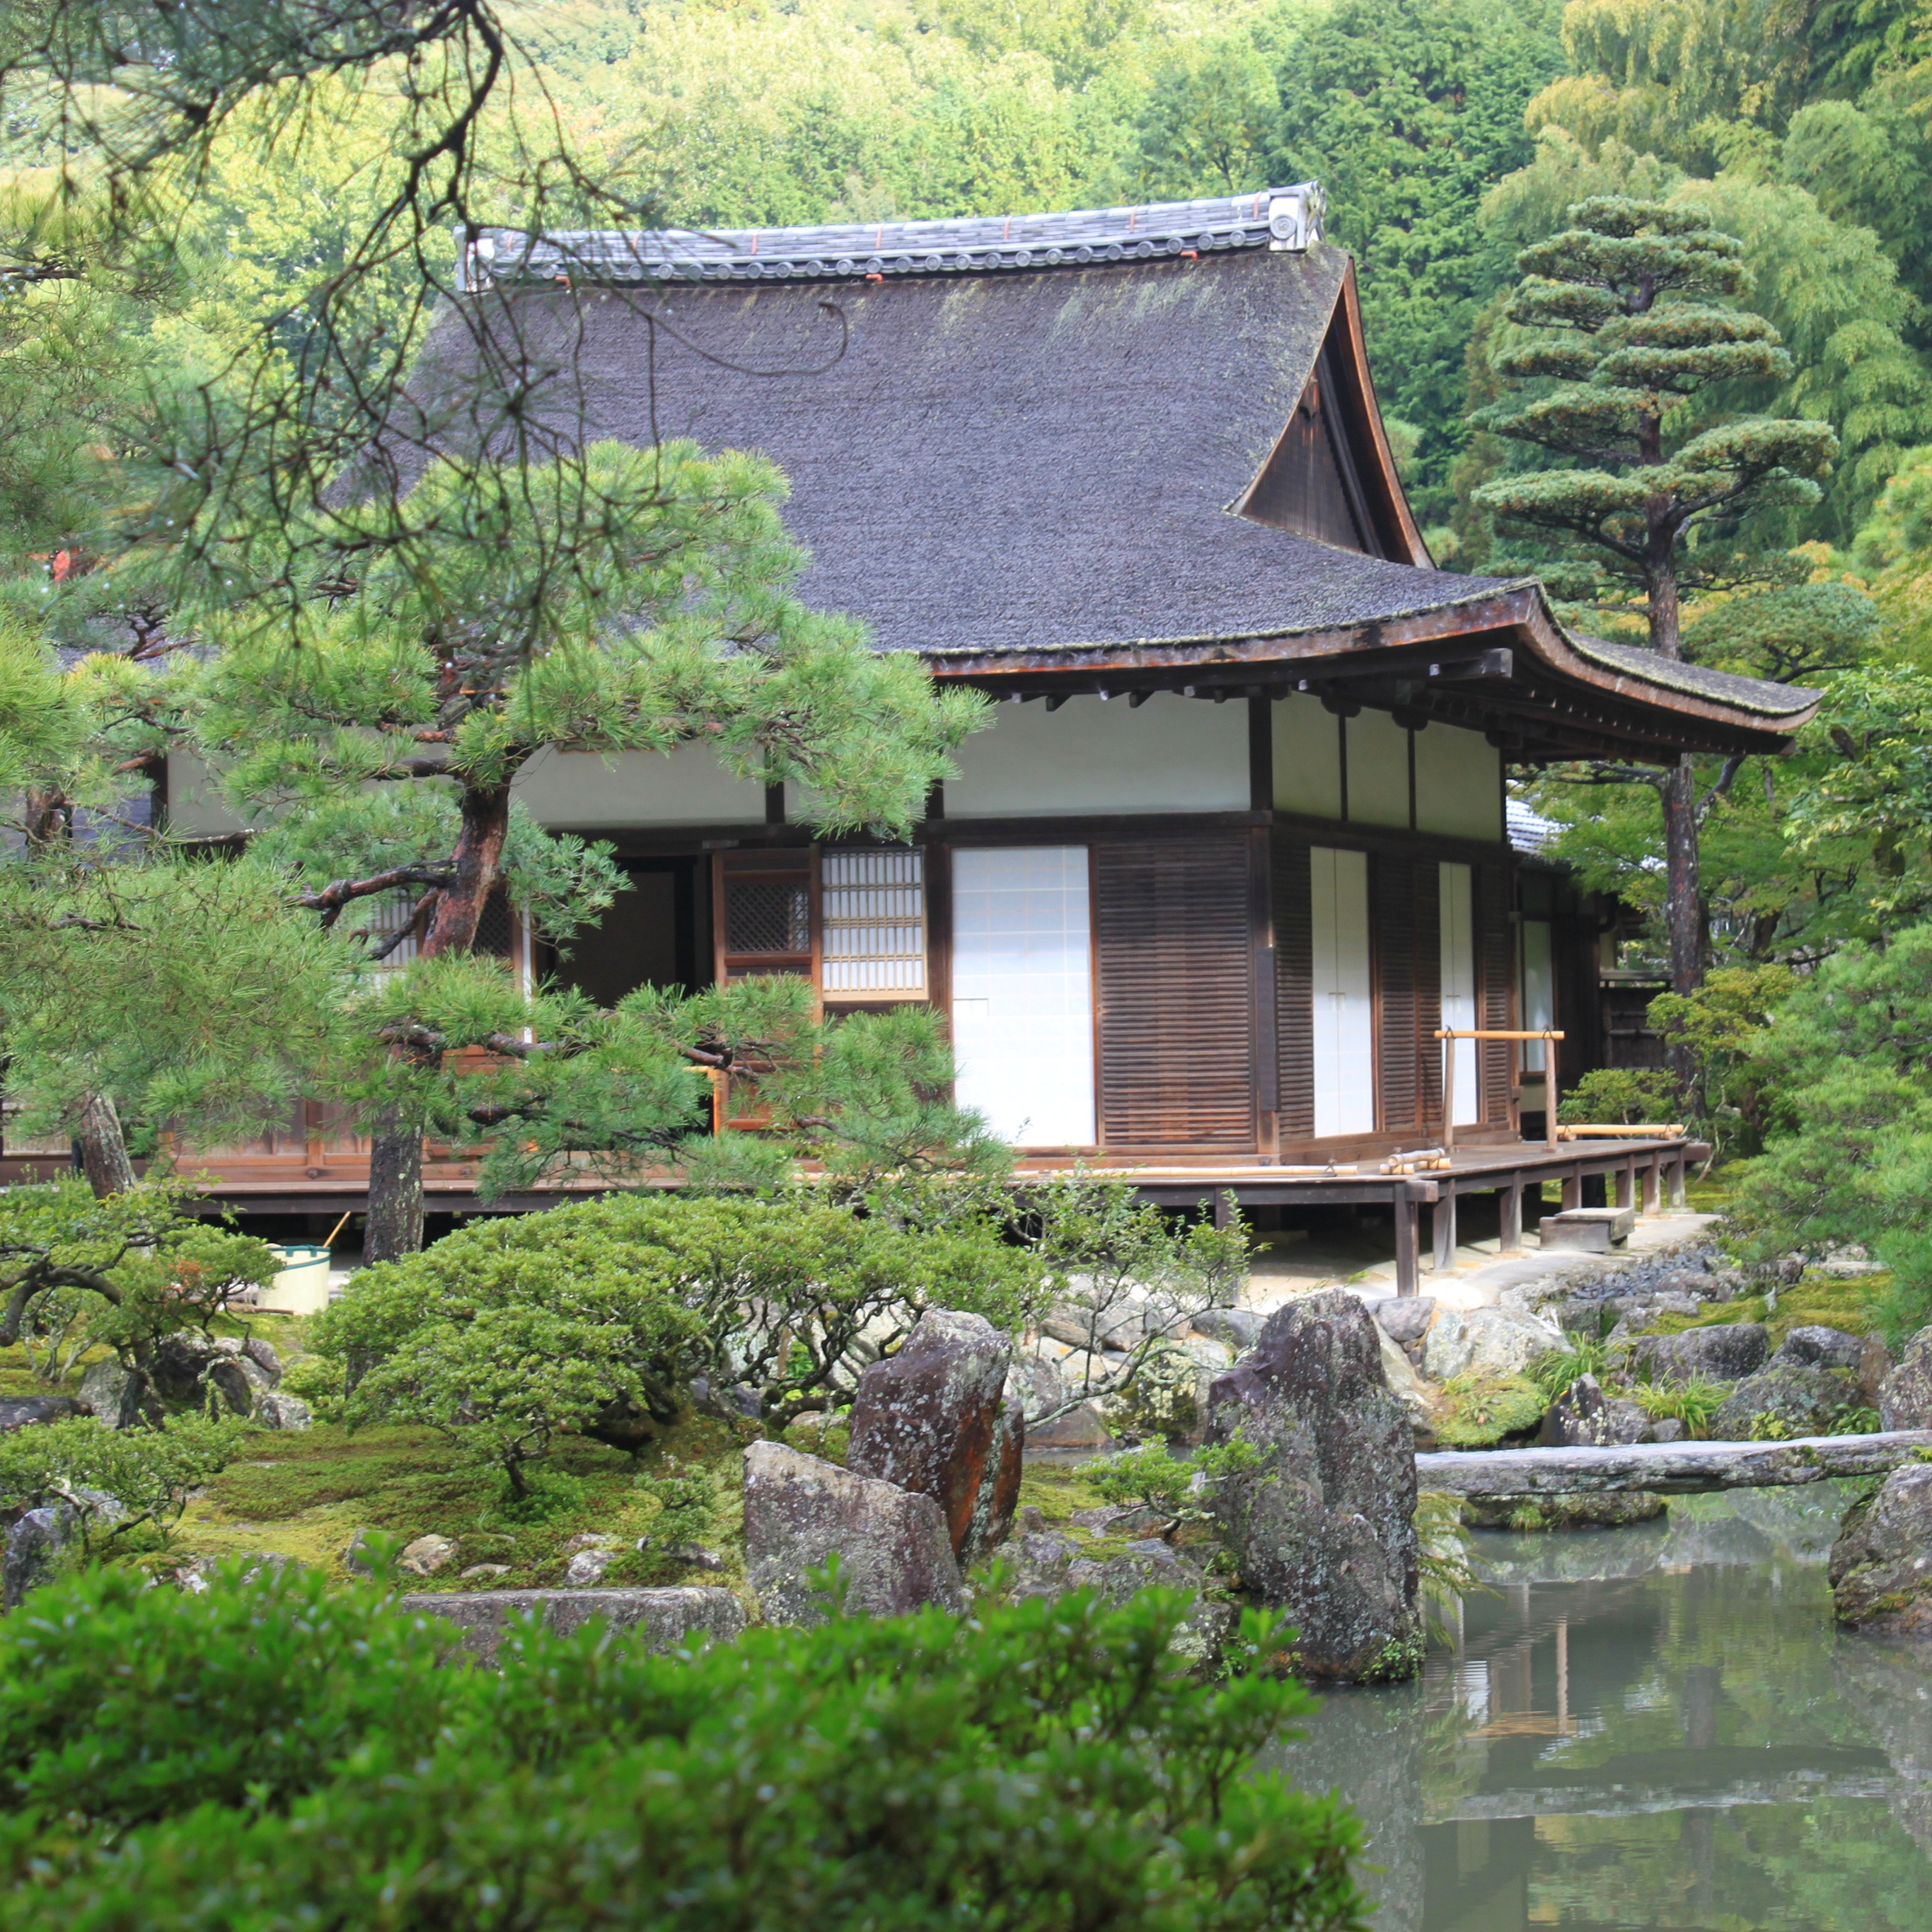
[1649, 1728]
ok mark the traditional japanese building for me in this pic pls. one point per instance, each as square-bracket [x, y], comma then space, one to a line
[1234, 847]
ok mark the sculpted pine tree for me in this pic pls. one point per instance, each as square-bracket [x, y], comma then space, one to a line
[1632, 344]
[621, 600]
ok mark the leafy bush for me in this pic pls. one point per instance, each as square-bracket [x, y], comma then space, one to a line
[1165, 1483]
[591, 1318]
[922, 1771]
[1482, 1410]
[149, 1472]
[124, 1272]
[1620, 1096]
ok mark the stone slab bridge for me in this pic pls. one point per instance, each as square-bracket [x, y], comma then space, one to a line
[1669, 1468]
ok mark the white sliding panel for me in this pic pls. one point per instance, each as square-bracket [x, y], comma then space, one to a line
[1455, 898]
[1023, 991]
[1344, 1011]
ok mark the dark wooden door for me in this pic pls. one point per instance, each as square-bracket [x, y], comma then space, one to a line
[1175, 949]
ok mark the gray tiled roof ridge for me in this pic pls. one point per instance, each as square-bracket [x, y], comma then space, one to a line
[1281, 218]
[1747, 693]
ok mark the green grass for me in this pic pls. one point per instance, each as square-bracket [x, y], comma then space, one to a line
[1815, 1302]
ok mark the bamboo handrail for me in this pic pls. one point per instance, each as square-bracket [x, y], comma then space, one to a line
[1549, 1036]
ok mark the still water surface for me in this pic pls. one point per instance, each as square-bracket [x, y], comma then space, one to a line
[1648, 1728]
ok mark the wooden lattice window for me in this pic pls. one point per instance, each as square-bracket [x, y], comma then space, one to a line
[764, 914]
[872, 913]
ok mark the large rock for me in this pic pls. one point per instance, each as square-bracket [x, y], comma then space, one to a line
[122, 1397]
[24, 1411]
[1487, 1343]
[1584, 1417]
[36, 1541]
[227, 1387]
[935, 1418]
[1881, 1566]
[659, 1619]
[1404, 1318]
[1239, 1327]
[894, 1552]
[1905, 1401]
[1152, 1564]
[1326, 1531]
[1819, 1347]
[1785, 1398]
[178, 1365]
[278, 1410]
[1727, 1352]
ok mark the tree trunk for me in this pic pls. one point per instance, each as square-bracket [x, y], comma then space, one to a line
[478, 866]
[1683, 903]
[395, 1225]
[395, 1222]
[103, 1149]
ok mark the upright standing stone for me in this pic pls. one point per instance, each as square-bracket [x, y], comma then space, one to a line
[123, 1398]
[1905, 1401]
[1881, 1565]
[936, 1418]
[1326, 1531]
[893, 1552]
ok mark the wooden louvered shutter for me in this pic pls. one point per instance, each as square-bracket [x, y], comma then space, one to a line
[1174, 949]
[1293, 989]
[1408, 971]
[1495, 989]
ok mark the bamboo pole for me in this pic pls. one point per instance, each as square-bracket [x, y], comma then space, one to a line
[1549, 1036]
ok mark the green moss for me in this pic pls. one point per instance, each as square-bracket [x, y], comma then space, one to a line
[1817, 1301]
[1476, 1413]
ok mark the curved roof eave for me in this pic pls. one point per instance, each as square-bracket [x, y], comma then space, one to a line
[1521, 607]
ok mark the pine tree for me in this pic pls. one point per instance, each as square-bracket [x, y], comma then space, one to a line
[1629, 331]
[623, 601]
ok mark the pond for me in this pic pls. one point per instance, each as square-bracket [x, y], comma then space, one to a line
[1646, 1728]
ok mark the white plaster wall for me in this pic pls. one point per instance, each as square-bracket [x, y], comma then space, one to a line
[1459, 787]
[1378, 770]
[1093, 755]
[570, 790]
[1307, 758]
[195, 809]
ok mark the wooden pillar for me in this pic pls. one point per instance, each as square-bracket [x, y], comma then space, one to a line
[1678, 1166]
[1653, 1185]
[1442, 1225]
[1509, 1215]
[1407, 1274]
[1572, 1189]
[1221, 1208]
[1624, 1175]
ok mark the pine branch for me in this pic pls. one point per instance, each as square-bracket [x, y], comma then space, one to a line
[333, 897]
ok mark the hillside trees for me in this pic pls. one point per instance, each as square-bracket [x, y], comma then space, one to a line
[1625, 331]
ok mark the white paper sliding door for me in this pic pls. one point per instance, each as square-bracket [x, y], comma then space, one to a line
[1455, 899]
[1023, 991]
[1343, 1014]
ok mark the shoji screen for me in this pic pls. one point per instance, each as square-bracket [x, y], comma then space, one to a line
[1342, 1008]
[1455, 893]
[1022, 991]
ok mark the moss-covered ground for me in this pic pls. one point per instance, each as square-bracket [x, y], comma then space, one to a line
[305, 1494]
[1816, 1301]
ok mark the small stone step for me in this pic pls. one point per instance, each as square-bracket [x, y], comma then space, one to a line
[1593, 1231]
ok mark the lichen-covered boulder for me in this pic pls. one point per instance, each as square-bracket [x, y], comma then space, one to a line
[1905, 1401]
[1725, 1352]
[1404, 1318]
[179, 1364]
[658, 1619]
[1239, 1327]
[1785, 1398]
[24, 1411]
[1584, 1417]
[893, 1550]
[1325, 1530]
[935, 1418]
[36, 1540]
[1821, 1347]
[121, 1397]
[278, 1410]
[1881, 1565]
[1488, 1344]
[1151, 1564]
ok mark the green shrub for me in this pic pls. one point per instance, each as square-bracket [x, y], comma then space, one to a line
[508, 1332]
[1620, 1096]
[1043, 1764]
[149, 1472]
[1163, 1482]
[1694, 1403]
[1553, 1371]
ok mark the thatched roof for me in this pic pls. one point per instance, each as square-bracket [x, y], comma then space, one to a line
[1030, 467]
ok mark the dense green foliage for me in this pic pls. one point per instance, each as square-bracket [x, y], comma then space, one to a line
[148, 1472]
[272, 1750]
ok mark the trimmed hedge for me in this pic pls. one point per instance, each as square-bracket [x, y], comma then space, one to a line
[276, 1754]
